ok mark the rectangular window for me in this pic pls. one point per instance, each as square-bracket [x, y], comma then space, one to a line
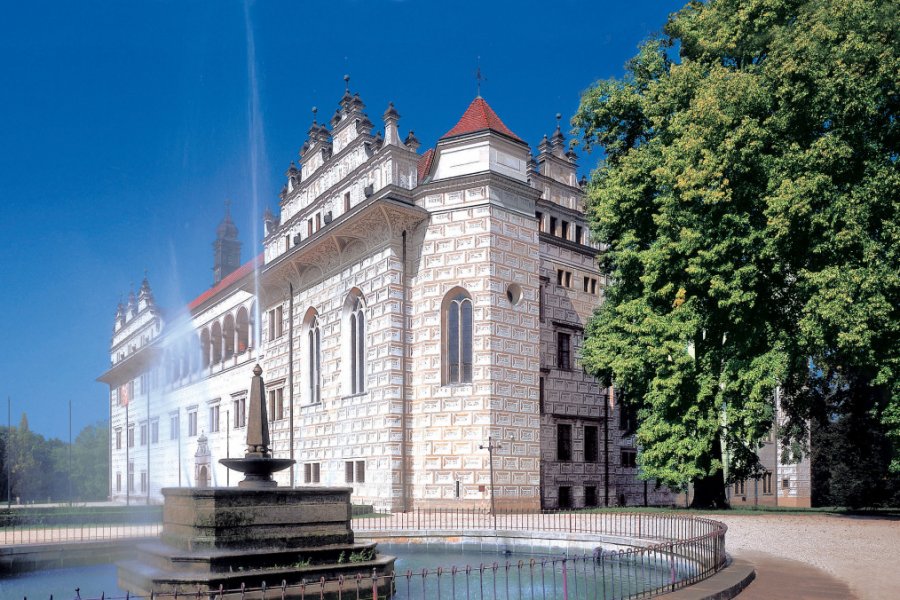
[144, 432]
[309, 227]
[192, 423]
[541, 395]
[579, 234]
[118, 482]
[563, 351]
[563, 442]
[360, 471]
[143, 481]
[131, 436]
[346, 201]
[591, 448]
[540, 220]
[154, 431]
[552, 226]
[311, 473]
[118, 439]
[629, 459]
[590, 495]
[145, 383]
[541, 302]
[627, 419]
[565, 496]
[564, 230]
[240, 413]
[563, 278]
[130, 477]
[785, 483]
[593, 286]
[279, 403]
[767, 483]
[276, 404]
[318, 221]
[214, 418]
[348, 471]
[276, 323]
[174, 427]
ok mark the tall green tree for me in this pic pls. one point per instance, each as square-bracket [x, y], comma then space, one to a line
[90, 463]
[748, 209]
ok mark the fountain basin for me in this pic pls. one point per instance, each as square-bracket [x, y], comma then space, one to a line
[257, 470]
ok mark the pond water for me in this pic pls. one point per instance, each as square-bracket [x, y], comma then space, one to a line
[490, 575]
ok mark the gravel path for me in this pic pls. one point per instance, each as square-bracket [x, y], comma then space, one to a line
[864, 552]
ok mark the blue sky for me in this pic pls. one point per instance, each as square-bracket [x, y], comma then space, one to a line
[125, 126]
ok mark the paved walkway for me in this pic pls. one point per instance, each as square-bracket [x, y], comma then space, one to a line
[857, 557]
[778, 578]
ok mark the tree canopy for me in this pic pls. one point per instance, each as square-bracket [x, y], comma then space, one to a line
[747, 205]
[41, 470]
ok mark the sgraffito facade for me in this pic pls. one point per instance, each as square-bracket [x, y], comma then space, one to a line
[418, 319]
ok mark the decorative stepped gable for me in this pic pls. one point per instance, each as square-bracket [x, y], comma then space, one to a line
[554, 162]
[340, 169]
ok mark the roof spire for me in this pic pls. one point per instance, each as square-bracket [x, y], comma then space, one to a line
[478, 78]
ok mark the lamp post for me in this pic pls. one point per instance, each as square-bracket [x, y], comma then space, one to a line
[491, 446]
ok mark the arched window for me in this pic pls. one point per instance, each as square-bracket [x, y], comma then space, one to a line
[184, 355]
[314, 359]
[216, 343]
[243, 330]
[228, 337]
[457, 334]
[176, 364]
[204, 347]
[355, 354]
[196, 354]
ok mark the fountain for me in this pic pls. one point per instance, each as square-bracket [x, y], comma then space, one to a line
[223, 538]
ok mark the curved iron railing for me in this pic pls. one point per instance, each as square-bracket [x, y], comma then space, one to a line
[655, 553]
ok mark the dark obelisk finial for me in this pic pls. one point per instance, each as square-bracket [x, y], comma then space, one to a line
[257, 420]
[257, 464]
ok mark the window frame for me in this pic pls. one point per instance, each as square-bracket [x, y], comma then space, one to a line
[458, 333]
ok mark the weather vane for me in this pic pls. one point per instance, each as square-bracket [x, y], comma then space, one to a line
[478, 77]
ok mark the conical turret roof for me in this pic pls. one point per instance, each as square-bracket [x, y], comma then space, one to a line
[479, 117]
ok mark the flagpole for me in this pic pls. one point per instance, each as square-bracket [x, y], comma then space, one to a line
[128, 475]
[8, 446]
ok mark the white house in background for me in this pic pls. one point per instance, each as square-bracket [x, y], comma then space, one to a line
[406, 309]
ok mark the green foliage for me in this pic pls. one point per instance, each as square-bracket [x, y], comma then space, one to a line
[41, 470]
[362, 555]
[748, 207]
[342, 558]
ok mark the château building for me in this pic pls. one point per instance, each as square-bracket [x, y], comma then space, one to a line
[416, 316]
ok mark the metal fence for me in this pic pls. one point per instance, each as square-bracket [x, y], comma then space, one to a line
[62, 525]
[674, 551]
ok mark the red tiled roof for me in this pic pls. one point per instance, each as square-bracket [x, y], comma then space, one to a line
[228, 281]
[478, 117]
[425, 163]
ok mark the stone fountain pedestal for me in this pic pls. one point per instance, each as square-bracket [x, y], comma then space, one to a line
[256, 534]
[224, 537]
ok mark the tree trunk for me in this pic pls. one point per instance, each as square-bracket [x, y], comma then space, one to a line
[709, 492]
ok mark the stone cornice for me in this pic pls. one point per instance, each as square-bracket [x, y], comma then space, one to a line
[568, 245]
[374, 222]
